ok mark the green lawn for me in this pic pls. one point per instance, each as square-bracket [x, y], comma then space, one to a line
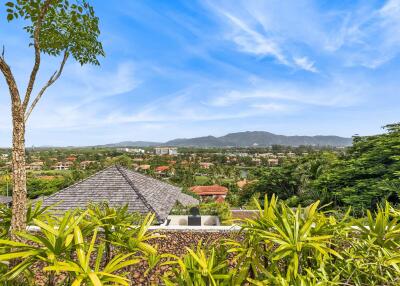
[202, 180]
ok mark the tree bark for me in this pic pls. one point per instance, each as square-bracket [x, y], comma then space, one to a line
[18, 222]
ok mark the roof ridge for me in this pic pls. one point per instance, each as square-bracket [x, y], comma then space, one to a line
[140, 195]
[76, 183]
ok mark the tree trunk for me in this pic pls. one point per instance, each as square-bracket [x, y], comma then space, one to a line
[19, 204]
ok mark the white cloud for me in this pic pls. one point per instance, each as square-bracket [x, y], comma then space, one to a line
[363, 35]
[244, 30]
[251, 41]
[305, 64]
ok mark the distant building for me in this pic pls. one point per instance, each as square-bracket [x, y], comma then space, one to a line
[144, 167]
[71, 159]
[35, 166]
[206, 165]
[4, 156]
[166, 151]
[214, 192]
[161, 169]
[131, 150]
[63, 166]
[273, 162]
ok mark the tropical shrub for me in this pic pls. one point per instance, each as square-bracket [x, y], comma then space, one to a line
[70, 245]
[199, 267]
[280, 246]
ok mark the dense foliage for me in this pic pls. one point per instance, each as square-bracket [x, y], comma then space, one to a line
[366, 174]
[281, 246]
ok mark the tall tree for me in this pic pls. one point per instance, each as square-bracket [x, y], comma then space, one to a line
[59, 28]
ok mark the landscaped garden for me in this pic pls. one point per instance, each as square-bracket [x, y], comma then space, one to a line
[282, 246]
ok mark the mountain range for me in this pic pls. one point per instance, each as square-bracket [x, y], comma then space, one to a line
[243, 139]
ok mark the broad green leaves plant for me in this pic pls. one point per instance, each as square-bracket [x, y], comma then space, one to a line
[52, 244]
[199, 267]
[84, 273]
[70, 244]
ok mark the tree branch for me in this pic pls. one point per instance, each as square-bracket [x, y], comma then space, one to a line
[36, 45]
[52, 79]
[12, 84]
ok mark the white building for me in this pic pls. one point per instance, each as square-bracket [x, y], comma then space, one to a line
[4, 156]
[166, 151]
[132, 150]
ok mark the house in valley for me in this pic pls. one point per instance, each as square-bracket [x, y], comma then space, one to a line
[63, 165]
[214, 192]
[35, 166]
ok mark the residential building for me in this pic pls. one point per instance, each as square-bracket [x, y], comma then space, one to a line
[214, 192]
[71, 159]
[63, 165]
[132, 150]
[161, 169]
[291, 154]
[166, 151]
[4, 156]
[144, 167]
[273, 162]
[206, 165]
[35, 166]
[119, 187]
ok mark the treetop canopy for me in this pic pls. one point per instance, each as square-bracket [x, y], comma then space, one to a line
[69, 27]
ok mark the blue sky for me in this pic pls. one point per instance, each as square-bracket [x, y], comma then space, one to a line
[193, 68]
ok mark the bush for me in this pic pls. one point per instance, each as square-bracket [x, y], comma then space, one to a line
[281, 246]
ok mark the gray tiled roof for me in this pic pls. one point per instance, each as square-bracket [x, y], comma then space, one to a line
[5, 200]
[119, 186]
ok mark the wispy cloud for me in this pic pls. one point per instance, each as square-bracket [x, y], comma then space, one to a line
[337, 93]
[305, 64]
[253, 42]
[365, 35]
[80, 98]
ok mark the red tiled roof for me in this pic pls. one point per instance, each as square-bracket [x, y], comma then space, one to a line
[209, 190]
[162, 168]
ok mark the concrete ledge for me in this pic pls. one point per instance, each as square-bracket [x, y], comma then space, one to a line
[187, 228]
[181, 228]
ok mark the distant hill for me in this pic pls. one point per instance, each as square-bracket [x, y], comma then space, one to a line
[206, 141]
[244, 139]
[133, 144]
[260, 138]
